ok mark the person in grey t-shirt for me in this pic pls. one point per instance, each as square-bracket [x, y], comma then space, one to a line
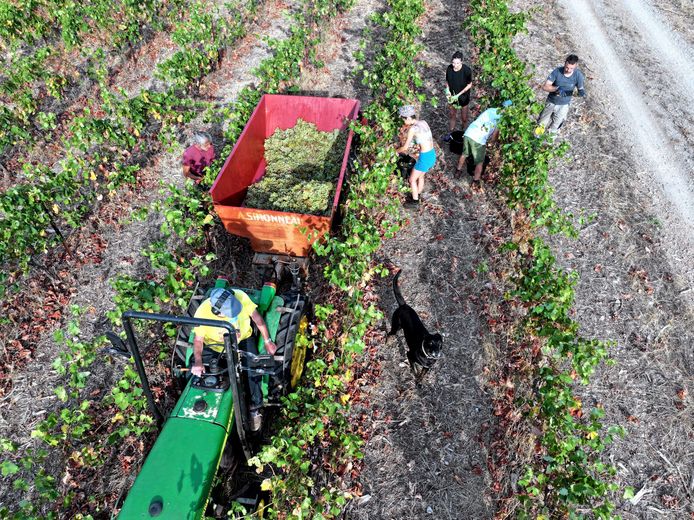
[561, 84]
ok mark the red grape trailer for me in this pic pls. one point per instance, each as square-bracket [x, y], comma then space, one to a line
[277, 232]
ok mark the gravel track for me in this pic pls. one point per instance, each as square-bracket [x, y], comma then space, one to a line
[636, 54]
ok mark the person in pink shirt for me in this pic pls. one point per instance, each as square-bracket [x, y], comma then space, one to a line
[198, 156]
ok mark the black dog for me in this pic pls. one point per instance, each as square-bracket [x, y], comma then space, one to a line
[423, 349]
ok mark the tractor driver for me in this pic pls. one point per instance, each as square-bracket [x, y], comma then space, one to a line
[237, 308]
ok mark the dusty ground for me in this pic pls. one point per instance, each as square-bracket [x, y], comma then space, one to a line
[679, 14]
[634, 51]
[629, 141]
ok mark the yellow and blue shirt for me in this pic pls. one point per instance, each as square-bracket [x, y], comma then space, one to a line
[213, 337]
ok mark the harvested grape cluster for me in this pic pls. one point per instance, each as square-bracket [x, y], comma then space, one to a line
[303, 164]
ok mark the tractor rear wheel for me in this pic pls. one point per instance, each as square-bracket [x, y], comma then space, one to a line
[183, 341]
[293, 336]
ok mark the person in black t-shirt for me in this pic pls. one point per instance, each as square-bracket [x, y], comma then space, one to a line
[458, 85]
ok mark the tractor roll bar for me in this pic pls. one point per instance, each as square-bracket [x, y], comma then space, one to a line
[229, 346]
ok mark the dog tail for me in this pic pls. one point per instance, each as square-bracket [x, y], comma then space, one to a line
[396, 289]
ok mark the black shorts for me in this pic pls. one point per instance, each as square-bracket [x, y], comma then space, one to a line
[462, 101]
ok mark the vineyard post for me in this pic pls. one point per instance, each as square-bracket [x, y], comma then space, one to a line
[57, 231]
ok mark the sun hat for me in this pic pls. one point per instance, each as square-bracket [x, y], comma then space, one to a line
[507, 103]
[406, 111]
[225, 303]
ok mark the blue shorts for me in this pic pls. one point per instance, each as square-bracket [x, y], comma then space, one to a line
[426, 161]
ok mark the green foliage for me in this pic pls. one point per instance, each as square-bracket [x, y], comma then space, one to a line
[180, 272]
[74, 361]
[8, 468]
[393, 75]
[71, 429]
[26, 474]
[302, 168]
[314, 434]
[568, 473]
[26, 71]
[31, 213]
[131, 417]
[47, 68]
[202, 36]
[20, 22]
[187, 214]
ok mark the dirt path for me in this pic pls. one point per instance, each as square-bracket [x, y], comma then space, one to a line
[426, 457]
[635, 259]
[648, 71]
[679, 14]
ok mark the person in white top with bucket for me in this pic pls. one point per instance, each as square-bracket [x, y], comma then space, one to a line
[419, 133]
[482, 131]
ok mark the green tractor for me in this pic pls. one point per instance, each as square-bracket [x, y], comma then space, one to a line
[211, 418]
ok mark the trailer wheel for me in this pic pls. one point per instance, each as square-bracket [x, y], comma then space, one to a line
[293, 336]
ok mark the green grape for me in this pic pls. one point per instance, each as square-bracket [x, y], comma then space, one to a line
[302, 168]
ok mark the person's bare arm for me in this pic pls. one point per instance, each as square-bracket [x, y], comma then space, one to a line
[262, 327]
[469, 86]
[549, 87]
[189, 174]
[197, 369]
[408, 142]
[494, 136]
